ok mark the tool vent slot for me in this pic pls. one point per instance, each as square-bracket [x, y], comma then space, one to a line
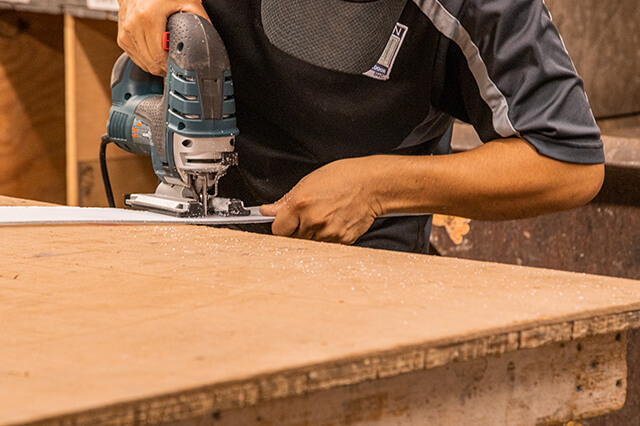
[228, 99]
[184, 115]
[184, 76]
[185, 97]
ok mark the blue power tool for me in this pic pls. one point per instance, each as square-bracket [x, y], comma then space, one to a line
[186, 123]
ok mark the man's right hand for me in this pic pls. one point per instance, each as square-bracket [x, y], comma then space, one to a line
[141, 24]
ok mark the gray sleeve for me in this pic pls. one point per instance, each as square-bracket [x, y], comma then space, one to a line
[508, 73]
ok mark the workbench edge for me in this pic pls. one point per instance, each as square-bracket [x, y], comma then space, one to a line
[240, 393]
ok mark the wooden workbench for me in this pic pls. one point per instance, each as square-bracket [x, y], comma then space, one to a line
[155, 324]
[55, 70]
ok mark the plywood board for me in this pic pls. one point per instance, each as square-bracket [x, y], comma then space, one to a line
[110, 322]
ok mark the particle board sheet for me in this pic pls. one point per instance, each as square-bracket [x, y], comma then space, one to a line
[126, 324]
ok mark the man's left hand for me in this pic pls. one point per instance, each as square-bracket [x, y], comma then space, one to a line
[335, 203]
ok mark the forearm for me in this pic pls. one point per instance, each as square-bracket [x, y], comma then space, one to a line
[504, 179]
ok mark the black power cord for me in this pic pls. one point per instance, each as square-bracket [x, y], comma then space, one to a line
[104, 141]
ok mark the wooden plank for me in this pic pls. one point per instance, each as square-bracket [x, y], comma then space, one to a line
[71, 110]
[32, 6]
[76, 8]
[630, 413]
[32, 107]
[533, 386]
[114, 321]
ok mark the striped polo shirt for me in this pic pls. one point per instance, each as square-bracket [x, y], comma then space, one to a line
[499, 65]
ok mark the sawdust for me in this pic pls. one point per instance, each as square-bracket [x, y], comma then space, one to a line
[456, 227]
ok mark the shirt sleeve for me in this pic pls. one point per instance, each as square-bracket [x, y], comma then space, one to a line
[507, 72]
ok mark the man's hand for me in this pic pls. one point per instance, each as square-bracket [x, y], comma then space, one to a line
[141, 24]
[334, 204]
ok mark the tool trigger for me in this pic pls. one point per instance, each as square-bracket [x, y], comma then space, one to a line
[165, 40]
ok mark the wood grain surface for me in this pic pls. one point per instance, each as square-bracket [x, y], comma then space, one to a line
[123, 323]
[543, 386]
[32, 135]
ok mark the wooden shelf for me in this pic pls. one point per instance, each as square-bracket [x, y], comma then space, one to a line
[54, 74]
[32, 106]
[621, 137]
[97, 9]
[90, 52]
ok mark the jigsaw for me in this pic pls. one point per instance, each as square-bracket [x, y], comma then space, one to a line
[185, 122]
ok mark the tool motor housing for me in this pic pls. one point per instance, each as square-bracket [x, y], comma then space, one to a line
[187, 122]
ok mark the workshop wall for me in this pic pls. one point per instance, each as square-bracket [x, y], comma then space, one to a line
[603, 38]
[32, 102]
[91, 52]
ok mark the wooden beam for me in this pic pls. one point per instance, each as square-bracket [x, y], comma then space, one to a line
[71, 113]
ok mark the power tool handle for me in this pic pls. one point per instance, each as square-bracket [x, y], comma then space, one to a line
[208, 62]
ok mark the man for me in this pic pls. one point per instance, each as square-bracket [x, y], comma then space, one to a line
[343, 106]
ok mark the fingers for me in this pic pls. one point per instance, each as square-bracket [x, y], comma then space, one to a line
[292, 220]
[140, 29]
[335, 234]
[138, 32]
[321, 207]
[156, 56]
